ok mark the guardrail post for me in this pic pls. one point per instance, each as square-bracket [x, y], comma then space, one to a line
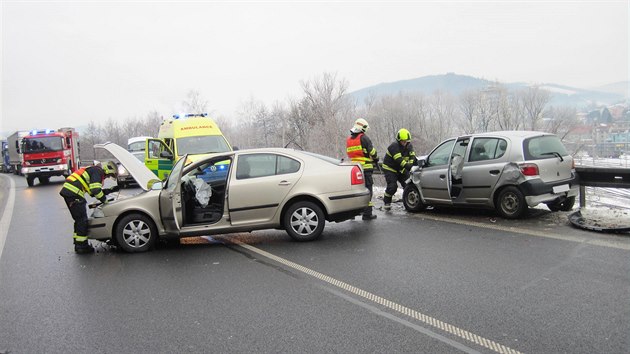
[582, 196]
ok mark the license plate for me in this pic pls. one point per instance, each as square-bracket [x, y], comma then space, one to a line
[560, 189]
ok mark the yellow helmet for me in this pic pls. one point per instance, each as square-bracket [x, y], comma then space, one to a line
[403, 135]
[110, 169]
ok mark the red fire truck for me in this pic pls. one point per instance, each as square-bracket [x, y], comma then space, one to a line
[48, 153]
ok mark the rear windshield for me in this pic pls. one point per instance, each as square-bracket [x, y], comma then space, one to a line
[543, 147]
[322, 157]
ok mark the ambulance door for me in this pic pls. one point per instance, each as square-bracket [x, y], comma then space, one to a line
[158, 158]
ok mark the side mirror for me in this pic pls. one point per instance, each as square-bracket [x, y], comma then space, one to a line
[167, 155]
[422, 162]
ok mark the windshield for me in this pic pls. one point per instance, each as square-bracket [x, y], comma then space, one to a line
[202, 145]
[51, 143]
[137, 146]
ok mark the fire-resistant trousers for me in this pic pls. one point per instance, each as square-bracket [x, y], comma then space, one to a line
[78, 211]
[392, 179]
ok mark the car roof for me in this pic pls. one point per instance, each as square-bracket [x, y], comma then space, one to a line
[523, 134]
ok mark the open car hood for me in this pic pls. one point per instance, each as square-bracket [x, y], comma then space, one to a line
[136, 168]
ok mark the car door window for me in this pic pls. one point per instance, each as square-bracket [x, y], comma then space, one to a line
[170, 182]
[262, 165]
[441, 154]
[487, 149]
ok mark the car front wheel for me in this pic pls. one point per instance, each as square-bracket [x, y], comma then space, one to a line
[135, 233]
[511, 203]
[411, 198]
[304, 221]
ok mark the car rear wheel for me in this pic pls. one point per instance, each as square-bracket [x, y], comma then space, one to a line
[411, 198]
[135, 233]
[564, 205]
[511, 203]
[304, 221]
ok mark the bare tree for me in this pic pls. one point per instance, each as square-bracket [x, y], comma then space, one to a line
[561, 121]
[194, 103]
[92, 135]
[468, 104]
[442, 117]
[151, 124]
[320, 115]
[534, 100]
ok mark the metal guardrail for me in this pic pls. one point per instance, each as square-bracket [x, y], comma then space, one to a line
[608, 177]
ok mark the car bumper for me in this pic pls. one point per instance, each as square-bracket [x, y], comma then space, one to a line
[537, 192]
[347, 205]
[54, 170]
[99, 228]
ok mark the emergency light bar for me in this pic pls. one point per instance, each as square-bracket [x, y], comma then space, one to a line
[177, 116]
[37, 132]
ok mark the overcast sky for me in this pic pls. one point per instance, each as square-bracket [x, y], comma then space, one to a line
[69, 63]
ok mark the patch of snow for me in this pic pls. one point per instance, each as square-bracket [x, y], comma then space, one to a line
[558, 90]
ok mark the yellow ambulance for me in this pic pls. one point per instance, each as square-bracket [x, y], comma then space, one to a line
[192, 134]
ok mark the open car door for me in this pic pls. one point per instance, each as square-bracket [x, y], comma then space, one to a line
[435, 180]
[171, 199]
[456, 167]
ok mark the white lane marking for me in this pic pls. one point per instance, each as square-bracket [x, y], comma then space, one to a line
[402, 321]
[5, 222]
[622, 245]
[446, 327]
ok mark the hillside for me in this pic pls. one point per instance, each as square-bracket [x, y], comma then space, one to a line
[457, 84]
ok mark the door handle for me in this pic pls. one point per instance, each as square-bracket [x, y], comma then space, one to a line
[494, 172]
[442, 176]
[284, 183]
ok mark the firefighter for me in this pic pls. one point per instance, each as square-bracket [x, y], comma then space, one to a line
[86, 180]
[396, 165]
[359, 149]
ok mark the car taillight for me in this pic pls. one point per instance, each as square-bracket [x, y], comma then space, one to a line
[356, 177]
[529, 169]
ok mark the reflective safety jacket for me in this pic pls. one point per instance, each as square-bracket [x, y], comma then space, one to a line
[85, 180]
[359, 149]
[399, 159]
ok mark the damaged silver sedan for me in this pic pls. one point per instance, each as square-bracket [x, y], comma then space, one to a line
[508, 171]
[236, 191]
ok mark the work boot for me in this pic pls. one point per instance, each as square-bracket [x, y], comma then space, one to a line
[387, 207]
[369, 217]
[83, 247]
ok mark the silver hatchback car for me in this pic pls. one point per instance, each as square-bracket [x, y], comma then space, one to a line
[509, 171]
[236, 191]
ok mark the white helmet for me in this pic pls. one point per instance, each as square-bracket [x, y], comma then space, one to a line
[360, 125]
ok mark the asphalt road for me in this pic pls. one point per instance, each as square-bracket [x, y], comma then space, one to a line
[443, 281]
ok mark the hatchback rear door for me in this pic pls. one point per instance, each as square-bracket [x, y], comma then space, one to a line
[549, 154]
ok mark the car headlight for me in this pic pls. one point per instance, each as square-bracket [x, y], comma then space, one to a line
[122, 170]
